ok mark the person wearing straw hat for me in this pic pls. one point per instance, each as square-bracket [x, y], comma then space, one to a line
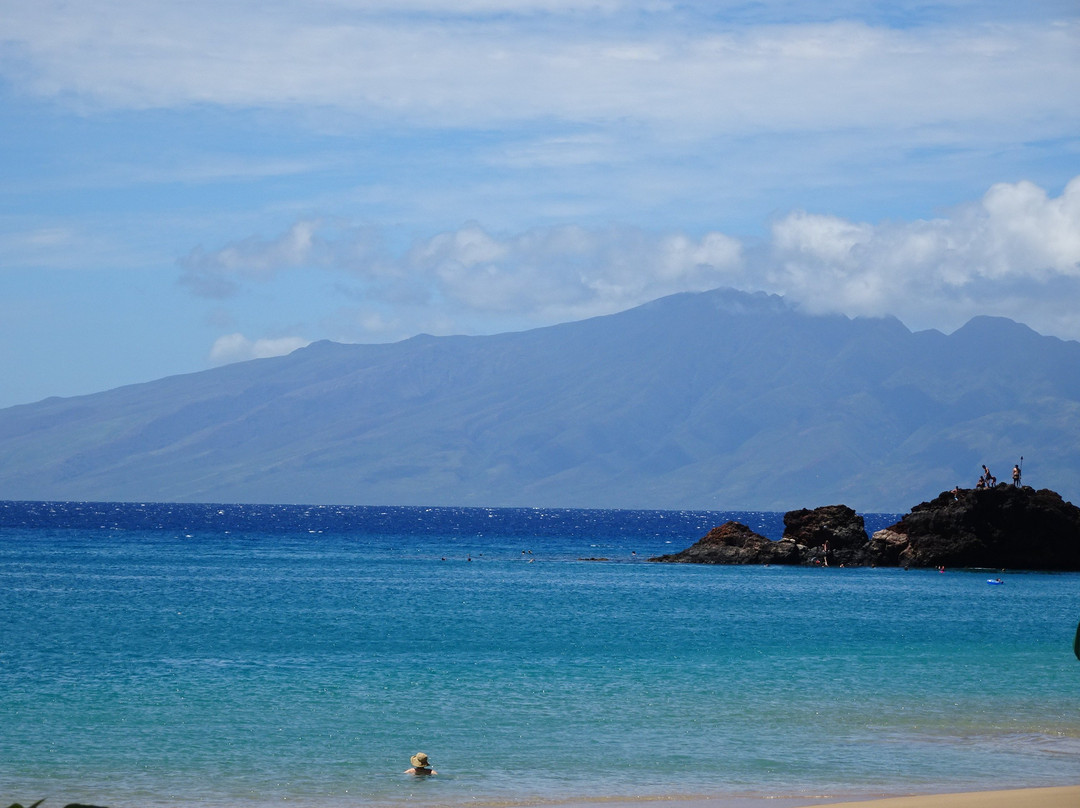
[420, 765]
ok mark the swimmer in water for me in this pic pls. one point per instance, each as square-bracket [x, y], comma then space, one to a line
[420, 765]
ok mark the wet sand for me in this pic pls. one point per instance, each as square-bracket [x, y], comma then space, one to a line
[1065, 797]
[1056, 797]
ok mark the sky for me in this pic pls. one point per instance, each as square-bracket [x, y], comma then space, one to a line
[184, 185]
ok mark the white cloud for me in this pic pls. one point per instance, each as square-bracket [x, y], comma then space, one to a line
[1022, 227]
[540, 276]
[466, 64]
[307, 243]
[1012, 253]
[238, 348]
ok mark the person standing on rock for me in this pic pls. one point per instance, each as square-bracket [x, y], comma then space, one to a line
[1016, 476]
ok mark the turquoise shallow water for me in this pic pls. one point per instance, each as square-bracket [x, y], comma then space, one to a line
[152, 656]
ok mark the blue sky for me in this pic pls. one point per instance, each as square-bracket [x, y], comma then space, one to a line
[188, 184]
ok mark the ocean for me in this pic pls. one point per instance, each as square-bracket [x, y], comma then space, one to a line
[227, 656]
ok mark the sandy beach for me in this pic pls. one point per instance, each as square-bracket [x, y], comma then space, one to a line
[1054, 797]
[1063, 797]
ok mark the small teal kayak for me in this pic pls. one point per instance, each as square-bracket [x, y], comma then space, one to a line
[995, 582]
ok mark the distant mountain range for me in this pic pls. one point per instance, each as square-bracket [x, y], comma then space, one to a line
[719, 400]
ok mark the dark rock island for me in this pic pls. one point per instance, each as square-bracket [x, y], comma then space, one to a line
[1001, 528]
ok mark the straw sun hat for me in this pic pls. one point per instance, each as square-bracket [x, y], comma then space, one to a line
[419, 761]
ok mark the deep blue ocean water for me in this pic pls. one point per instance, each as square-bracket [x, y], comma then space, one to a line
[167, 655]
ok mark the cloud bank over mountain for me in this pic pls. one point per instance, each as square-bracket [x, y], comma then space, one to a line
[1014, 252]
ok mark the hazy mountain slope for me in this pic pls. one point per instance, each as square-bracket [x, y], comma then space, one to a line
[714, 400]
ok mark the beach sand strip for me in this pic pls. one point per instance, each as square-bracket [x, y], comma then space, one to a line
[1063, 797]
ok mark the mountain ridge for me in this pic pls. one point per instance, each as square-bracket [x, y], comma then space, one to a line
[716, 400]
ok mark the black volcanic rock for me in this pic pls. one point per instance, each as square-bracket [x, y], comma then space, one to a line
[832, 532]
[1002, 527]
[735, 543]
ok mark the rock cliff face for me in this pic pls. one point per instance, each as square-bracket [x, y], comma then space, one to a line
[1001, 528]
[833, 534]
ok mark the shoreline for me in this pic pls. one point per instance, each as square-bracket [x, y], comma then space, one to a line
[1034, 797]
[1037, 797]
[1048, 797]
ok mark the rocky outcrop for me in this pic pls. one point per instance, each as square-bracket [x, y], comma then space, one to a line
[735, 543]
[827, 535]
[1001, 528]
[885, 548]
[833, 534]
